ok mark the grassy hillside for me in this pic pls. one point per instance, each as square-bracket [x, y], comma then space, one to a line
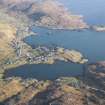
[7, 33]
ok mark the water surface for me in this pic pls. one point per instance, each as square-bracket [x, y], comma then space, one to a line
[88, 42]
[46, 71]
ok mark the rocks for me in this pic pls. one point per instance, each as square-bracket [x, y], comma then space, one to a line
[25, 95]
[9, 89]
[49, 61]
[95, 97]
[68, 99]
[59, 95]
[23, 89]
[96, 72]
[33, 92]
[60, 50]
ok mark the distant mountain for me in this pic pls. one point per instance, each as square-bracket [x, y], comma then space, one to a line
[46, 13]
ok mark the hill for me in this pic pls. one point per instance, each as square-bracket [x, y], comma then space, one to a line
[7, 33]
[48, 13]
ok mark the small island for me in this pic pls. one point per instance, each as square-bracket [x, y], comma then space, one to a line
[99, 28]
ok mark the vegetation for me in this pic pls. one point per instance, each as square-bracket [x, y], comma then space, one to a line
[15, 22]
[72, 81]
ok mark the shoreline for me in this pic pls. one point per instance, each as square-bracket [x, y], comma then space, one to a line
[90, 27]
[50, 57]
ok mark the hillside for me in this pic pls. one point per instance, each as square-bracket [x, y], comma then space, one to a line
[7, 34]
[46, 13]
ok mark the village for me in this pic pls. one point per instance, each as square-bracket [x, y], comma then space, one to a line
[45, 54]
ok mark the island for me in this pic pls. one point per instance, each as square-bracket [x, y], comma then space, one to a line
[99, 28]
